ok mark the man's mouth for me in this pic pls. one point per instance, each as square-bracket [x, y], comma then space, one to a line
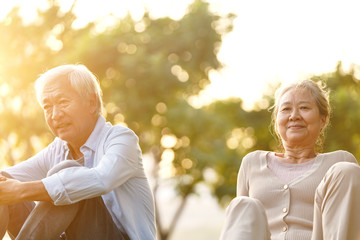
[60, 126]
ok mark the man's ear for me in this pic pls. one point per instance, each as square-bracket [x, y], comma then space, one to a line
[93, 103]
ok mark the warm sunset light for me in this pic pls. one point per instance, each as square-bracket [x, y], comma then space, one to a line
[271, 42]
[196, 94]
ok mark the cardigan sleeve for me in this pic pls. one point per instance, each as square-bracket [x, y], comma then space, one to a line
[242, 188]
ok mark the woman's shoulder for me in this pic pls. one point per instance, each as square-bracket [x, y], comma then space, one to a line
[340, 156]
[255, 156]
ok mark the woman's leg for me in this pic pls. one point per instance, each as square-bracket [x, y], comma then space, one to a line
[337, 204]
[245, 220]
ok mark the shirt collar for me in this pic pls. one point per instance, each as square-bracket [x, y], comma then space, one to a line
[93, 139]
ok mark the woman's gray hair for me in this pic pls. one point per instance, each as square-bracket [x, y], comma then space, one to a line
[321, 96]
[81, 79]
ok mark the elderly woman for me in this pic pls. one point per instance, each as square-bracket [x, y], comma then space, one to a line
[298, 193]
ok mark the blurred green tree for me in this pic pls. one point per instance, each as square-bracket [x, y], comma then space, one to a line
[26, 51]
[147, 69]
[344, 132]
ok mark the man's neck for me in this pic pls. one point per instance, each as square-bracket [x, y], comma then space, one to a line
[75, 153]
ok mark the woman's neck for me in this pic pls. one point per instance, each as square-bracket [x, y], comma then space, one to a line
[296, 155]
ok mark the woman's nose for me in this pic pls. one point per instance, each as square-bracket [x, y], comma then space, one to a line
[294, 115]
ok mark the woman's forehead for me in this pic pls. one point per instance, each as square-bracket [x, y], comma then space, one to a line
[297, 94]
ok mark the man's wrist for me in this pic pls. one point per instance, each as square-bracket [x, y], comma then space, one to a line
[33, 191]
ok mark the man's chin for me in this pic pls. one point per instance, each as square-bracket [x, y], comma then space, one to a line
[63, 134]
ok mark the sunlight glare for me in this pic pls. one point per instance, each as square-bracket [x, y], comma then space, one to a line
[166, 166]
[284, 41]
[280, 42]
[168, 141]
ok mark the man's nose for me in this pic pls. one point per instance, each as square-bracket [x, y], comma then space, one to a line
[57, 112]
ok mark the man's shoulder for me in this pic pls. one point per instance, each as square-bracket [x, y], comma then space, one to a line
[120, 132]
[119, 129]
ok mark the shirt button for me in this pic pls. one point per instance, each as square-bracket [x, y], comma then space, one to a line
[284, 229]
[286, 186]
[284, 210]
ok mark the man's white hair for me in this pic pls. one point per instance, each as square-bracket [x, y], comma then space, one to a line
[81, 79]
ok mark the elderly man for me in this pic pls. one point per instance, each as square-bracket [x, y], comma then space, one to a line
[89, 183]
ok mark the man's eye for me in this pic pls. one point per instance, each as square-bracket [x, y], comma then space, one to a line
[47, 108]
[64, 103]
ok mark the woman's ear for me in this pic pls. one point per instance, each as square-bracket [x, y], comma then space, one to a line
[323, 122]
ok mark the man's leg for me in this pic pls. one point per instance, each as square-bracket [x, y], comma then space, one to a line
[47, 221]
[4, 216]
[13, 216]
[82, 220]
[18, 213]
[337, 209]
[94, 221]
[245, 220]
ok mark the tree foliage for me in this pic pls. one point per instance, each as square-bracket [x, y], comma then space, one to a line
[148, 70]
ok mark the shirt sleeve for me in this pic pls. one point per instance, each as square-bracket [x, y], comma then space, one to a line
[34, 168]
[121, 161]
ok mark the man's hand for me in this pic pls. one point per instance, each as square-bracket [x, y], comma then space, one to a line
[13, 191]
[9, 191]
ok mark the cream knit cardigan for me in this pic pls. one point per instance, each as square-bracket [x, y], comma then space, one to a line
[289, 207]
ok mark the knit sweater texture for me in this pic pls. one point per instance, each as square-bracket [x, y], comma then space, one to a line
[289, 207]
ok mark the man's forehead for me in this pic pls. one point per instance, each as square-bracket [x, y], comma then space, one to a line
[59, 79]
[61, 82]
[57, 88]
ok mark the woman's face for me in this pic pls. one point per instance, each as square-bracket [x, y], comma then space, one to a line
[298, 119]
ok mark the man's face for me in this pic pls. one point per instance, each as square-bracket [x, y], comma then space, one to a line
[69, 116]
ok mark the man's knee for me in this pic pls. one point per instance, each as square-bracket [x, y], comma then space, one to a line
[62, 165]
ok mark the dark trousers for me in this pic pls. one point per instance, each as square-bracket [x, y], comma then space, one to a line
[87, 219]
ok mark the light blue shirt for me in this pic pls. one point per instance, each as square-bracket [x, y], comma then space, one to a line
[113, 169]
